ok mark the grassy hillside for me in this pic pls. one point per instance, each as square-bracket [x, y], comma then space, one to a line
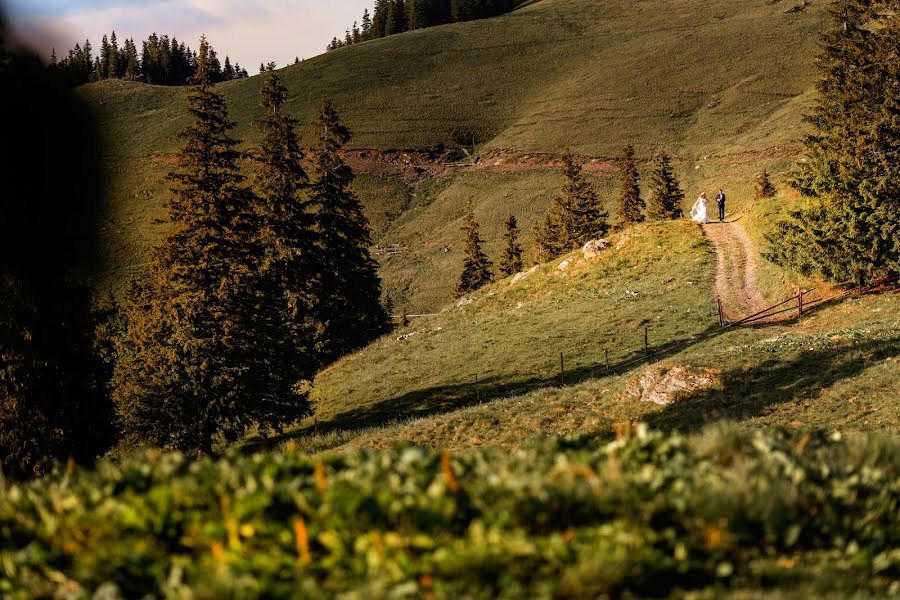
[836, 369]
[721, 85]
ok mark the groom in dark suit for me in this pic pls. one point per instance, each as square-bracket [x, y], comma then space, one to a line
[720, 202]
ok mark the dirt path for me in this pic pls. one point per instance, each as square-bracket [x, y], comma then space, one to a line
[736, 285]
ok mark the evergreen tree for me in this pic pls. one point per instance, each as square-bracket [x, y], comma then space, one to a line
[356, 34]
[476, 266]
[630, 202]
[666, 197]
[349, 300]
[380, 18]
[575, 217]
[511, 262]
[853, 166]
[764, 187]
[366, 25]
[193, 361]
[132, 66]
[291, 263]
[112, 68]
[103, 67]
[396, 17]
[227, 70]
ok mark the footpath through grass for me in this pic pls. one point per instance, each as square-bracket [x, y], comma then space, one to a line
[731, 514]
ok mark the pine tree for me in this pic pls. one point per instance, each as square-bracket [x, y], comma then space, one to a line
[512, 263]
[666, 197]
[396, 18]
[380, 18]
[132, 66]
[630, 202]
[227, 70]
[764, 187]
[349, 301]
[356, 36]
[103, 67]
[476, 266]
[291, 264]
[112, 68]
[574, 217]
[852, 169]
[366, 25]
[194, 359]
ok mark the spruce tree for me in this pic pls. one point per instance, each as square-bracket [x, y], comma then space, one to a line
[476, 271]
[380, 18]
[103, 66]
[290, 263]
[630, 202]
[366, 25]
[113, 60]
[666, 197]
[349, 306]
[852, 171]
[575, 216]
[195, 359]
[764, 187]
[512, 263]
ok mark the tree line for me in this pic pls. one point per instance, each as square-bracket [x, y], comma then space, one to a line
[389, 17]
[161, 61]
[263, 282]
[574, 217]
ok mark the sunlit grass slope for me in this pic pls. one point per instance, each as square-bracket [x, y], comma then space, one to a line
[698, 76]
[837, 369]
[721, 85]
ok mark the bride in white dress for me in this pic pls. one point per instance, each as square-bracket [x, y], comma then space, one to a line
[698, 211]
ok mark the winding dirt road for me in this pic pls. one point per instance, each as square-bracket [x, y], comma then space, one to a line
[736, 284]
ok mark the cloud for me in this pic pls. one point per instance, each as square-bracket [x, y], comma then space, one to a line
[249, 31]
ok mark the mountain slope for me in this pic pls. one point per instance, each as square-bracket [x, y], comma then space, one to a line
[720, 85]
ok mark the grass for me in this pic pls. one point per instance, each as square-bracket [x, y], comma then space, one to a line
[720, 85]
[835, 370]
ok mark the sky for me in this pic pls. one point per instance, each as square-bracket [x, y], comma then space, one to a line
[248, 31]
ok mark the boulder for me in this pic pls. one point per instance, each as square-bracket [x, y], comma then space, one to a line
[520, 276]
[672, 384]
[594, 247]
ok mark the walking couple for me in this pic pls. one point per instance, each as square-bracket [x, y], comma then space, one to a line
[698, 211]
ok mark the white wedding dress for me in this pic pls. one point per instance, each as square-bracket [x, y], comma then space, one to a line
[698, 211]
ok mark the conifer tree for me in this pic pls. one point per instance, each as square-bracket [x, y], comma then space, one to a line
[366, 25]
[396, 17]
[194, 362]
[349, 302]
[476, 266]
[512, 263]
[630, 202]
[574, 217]
[290, 264]
[764, 186]
[666, 197]
[112, 69]
[103, 67]
[852, 169]
[380, 18]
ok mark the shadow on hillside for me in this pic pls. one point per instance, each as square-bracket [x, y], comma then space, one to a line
[446, 398]
[748, 393]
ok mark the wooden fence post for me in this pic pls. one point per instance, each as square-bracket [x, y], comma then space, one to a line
[646, 340]
[606, 354]
[477, 391]
[799, 303]
[562, 370]
[721, 316]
